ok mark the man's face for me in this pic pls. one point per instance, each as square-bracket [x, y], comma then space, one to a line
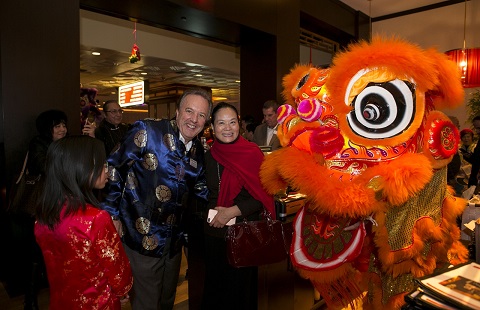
[113, 113]
[270, 117]
[191, 116]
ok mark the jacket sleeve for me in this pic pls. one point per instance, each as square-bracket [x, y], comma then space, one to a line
[112, 257]
[130, 151]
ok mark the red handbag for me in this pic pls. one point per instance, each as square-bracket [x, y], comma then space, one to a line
[256, 243]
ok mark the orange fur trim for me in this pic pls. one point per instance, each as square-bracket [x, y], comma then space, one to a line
[290, 82]
[401, 178]
[449, 88]
[443, 239]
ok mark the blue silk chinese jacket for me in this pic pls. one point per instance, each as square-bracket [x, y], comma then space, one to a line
[149, 173]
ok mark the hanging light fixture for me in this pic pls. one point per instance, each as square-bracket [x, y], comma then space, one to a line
[467, 59]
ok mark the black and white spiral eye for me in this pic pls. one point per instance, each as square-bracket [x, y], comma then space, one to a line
[383, 110]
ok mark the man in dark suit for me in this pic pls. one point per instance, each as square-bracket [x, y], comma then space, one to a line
[266, 133]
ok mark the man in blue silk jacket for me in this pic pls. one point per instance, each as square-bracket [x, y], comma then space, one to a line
[157, 163]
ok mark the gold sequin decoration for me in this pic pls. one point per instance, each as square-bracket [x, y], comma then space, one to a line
[401, 219]
[393, 286]
[140, 138]
[150, 162]
[163, 193]
[142, 225]
[169, 141]
[132, 181]
[149, 243]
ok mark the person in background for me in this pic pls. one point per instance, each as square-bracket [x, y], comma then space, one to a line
[465, 151]
[51, 126]
[453, 167]
[111, 130]
[235, 191]
[246, 120]
[86, 264]
[156, 165]
[475, 158]
[467, 146]
[266, 133]
[249, 131]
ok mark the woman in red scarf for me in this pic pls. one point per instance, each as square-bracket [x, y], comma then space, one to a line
[235, 191]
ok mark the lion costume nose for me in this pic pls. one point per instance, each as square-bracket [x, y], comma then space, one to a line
[322, 140]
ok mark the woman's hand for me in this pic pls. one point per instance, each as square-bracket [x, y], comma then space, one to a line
[124, 299]
[119, 227]
[224, 215]
[89, 129]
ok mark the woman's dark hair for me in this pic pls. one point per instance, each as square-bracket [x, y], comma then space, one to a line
[222, 105]
[49, 119]
[73, 166]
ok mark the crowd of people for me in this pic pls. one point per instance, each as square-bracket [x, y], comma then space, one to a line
[111, 222]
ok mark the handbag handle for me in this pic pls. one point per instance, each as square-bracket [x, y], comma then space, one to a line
[23, 169]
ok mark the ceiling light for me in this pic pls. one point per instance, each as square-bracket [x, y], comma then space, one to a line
[191, 64]
[96, 53]
[237, 81]
[198, 75]
[144, 73]
[219, 98]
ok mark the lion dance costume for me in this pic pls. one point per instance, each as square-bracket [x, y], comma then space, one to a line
[364, 141]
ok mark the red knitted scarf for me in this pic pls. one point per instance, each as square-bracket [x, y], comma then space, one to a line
[241, 161]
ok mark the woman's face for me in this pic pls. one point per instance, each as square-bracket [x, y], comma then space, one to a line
[102, 178]
[59, 131]
[467, 139]
[225, 126]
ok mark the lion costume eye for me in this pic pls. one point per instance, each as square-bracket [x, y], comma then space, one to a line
[383, 110]
[303, 81]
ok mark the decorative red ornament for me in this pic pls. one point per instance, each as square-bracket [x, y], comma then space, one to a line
[135, 54]
[443, 139]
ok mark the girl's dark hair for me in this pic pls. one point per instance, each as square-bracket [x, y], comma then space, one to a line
[49, 119]
[73, 165]
[222, 105]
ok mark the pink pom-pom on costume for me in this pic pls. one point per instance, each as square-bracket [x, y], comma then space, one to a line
[309, 110]
[284, 111]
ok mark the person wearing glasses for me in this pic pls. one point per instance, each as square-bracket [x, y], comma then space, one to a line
[111, 129]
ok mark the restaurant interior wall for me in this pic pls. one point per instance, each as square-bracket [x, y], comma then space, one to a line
[441, 28]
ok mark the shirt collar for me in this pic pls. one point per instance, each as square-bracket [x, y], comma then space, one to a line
[188, 145]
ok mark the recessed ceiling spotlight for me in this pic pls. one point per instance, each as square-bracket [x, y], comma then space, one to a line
[191, 64]
[96, 53]
[237, 81]
[144, 73]
[198, 75]
[113, 93]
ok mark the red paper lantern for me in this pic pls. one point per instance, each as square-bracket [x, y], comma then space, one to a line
[468, 62]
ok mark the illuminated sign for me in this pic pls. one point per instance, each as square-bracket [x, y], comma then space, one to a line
[131, 94]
